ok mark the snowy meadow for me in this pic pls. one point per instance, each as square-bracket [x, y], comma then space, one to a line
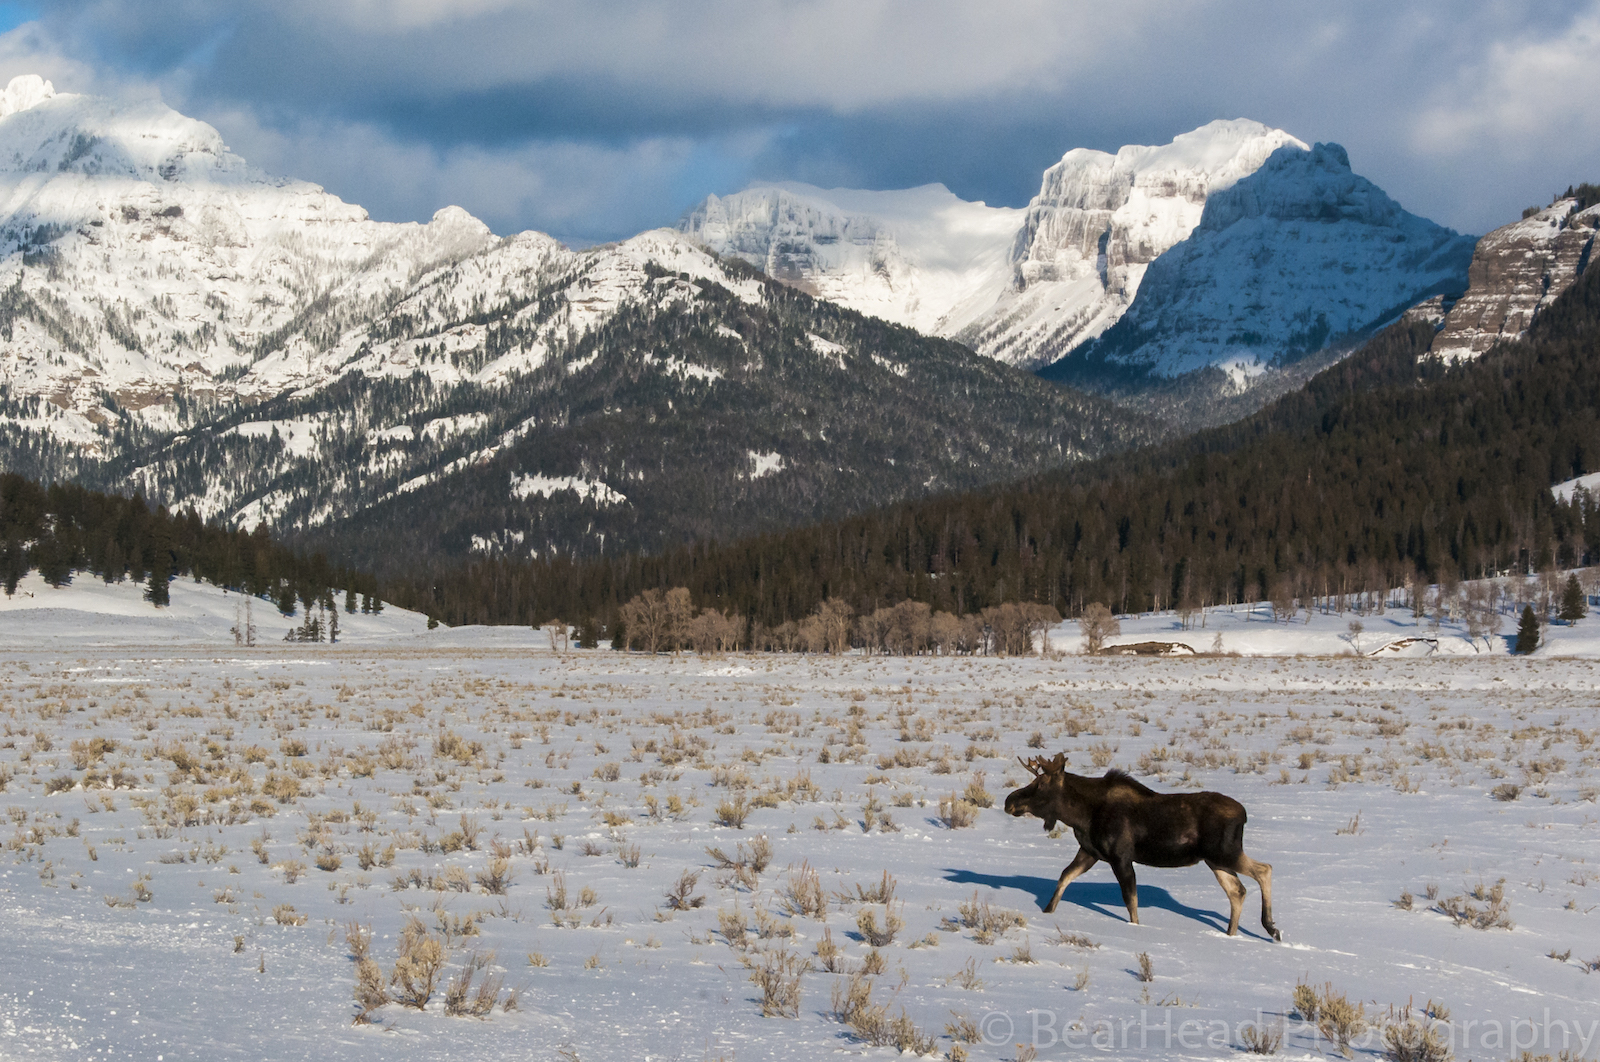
[464, 844]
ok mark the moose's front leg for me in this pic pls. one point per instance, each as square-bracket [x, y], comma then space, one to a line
[1130, 887]
[1080, 863]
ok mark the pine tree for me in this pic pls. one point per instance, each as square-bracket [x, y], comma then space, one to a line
[1573, 607]
[156, 591]
[350, 599]
[13, 564]
[1527, 631]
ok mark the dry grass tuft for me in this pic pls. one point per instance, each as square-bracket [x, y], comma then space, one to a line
[967, 977]
[870, 1022]
[830, 954]
[371, 992]
[681, 896]
[463, 999]
[1262, 1040]
[804, 894]
[285, 915]
[955, 813]
[1409, 1037]
[416, 971]
[986, 922]
[358, 938]
[1495, 912]
[1336, 1017]
[497, 876]
[732, 813]
[872, 933]
[778, 977]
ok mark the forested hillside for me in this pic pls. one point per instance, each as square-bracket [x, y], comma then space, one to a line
[66, 532]
[1388, 465]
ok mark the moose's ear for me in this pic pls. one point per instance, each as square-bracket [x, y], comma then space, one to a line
[1029, 765]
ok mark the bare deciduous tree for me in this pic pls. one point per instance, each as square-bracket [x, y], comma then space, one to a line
[1097, 624]
[647, 621]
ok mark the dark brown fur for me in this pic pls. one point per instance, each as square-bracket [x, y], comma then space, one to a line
[1124, 822]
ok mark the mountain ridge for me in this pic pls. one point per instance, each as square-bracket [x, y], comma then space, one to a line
[257, 350]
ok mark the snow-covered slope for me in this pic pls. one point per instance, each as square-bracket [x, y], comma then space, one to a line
[268, 799]
[1260, 248]
[88, 612]
[1022, 286]
[1298, 254]
[1517, 270]
[140, 258]
[1098, 222]
[907, 257]
[175, 322]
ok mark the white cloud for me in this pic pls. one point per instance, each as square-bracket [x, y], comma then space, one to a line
[597, 119]
[1520, 91]
[571, 188]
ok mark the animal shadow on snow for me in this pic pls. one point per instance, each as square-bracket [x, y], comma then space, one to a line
[1101, 897]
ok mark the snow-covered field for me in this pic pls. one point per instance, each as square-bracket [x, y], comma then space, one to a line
[151, 883]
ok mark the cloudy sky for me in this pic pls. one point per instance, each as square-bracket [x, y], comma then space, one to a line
[594, 120]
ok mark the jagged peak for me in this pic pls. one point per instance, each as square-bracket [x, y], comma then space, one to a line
[23, 92]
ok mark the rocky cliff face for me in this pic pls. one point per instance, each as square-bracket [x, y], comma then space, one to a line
[1020, 286]
[1261, 250]
[1516, 271]
[1098, 222]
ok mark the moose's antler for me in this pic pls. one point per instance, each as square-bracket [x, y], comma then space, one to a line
[1037, 765]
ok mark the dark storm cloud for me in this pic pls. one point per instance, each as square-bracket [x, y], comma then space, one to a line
[594, 120]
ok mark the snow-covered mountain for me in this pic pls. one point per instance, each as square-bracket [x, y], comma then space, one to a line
[908, 257]
[176, 322]
[140, 259]
[1099, 220]
[1021, 286]
[1298, 254]
[1268, 234]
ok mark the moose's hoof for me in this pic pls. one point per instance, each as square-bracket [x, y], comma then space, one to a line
[1275, 934]
[1050, 907]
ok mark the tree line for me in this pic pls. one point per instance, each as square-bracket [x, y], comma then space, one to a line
[1389, 468]
[64, 531]
[657, 621]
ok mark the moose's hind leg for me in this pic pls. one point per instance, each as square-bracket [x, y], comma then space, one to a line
[1130, 888]
[1262, 872]
[1235, 889]
[1080, 863]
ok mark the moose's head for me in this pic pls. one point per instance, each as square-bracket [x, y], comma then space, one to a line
[1038, 797]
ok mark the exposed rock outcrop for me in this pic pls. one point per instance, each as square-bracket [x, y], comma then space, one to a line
[1516, 271]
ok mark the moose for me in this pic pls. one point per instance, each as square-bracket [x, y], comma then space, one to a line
[1124, 822]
